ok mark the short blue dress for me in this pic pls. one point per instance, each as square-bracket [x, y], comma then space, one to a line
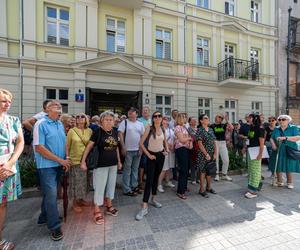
[10, 188]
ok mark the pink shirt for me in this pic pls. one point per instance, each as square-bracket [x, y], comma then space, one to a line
[183, 130]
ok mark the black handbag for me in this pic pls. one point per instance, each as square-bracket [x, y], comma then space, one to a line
[211, 168]
[292, 153]
[93, 156]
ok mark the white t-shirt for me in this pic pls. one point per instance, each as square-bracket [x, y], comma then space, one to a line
[134, 131]
[39, 115]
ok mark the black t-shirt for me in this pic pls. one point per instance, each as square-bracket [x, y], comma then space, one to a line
[244, 129]
[254, 134]
[219, 131]
[268, 133]
[107, 146]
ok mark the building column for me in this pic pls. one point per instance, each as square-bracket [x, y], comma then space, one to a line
[137, 35]
[81, 31]
[3, 29]
[29, 7]
[79, 84]
[181, 46]
[181, 95]
[147, 37]
[222, 45]
[92, 29]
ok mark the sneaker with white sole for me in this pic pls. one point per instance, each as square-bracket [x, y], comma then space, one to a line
[290, 186]
[217, 178]
[170, 184]
[155, 203]
[248, 195]
[160, 189]
[140, 215]
[278, 184]
[226, 178]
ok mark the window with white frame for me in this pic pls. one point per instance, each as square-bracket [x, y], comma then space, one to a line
[255, 9]
[202, 3]
[163, 44]
[254, 58]
[57, 25]
[115, 35]
[202, 51]
[231, 109]
[164, 104]
[256, 107]
[204, 106]
[229, 7]
[60, 94]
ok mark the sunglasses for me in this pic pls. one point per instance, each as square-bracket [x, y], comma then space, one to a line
[272, 120]
[157, 116]
[283, 119]
[80, 116]
[220, 117]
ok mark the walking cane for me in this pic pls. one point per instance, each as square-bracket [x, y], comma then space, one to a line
[274, 180]
[65, 193]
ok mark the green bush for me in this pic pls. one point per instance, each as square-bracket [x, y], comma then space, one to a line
[236, 161]
[27, 171]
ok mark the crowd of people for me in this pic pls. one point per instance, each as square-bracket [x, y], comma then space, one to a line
[152, 151]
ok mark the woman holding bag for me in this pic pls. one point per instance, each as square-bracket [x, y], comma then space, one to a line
[288, 135]
[105, 138]
[207, 153]
[77, 139]
[12, 144]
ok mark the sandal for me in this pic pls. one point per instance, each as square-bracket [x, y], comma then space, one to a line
[6, 245]
[112, 211]
[182, 196]
[98, 218]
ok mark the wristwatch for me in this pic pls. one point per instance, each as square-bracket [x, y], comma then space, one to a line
[286, 138]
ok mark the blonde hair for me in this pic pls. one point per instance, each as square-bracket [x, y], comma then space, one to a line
[180, 119]
[87, 122]
[4, 92]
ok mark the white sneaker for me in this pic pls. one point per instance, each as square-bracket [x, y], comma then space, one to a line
[248, 195]
[217, 178]
[160, 189]
[278, 184]
[155, 203]
[226, 178]
[194, 182]
[140, 215]
[170, 184]
[290, 186]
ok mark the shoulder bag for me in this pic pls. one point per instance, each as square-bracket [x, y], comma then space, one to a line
[93, 156]
[291, 153]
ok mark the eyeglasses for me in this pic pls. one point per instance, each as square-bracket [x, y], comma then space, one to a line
[80, 116]
[220, 117]
[282, 119]
[272, 120]
[157, 116]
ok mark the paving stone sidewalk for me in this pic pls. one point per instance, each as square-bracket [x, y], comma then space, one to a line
[224, 221]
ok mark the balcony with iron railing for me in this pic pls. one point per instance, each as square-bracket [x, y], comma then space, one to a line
[233, 72]
[131, 4]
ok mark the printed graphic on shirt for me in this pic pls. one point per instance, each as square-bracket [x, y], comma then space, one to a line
[110, 144]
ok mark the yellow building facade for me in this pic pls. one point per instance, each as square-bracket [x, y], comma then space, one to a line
[198, 56]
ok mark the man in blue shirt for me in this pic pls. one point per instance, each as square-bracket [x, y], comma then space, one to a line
[49, 140]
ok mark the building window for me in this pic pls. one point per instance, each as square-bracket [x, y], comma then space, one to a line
[163, 44]
[164, 104]
[255, 8]
[202, 51]
[62, 95]
[231, 109]
[115, 35]
[254, 58]
[202, 3]
[57, 26]
[256, 107]
[204, 106]
[229, 7]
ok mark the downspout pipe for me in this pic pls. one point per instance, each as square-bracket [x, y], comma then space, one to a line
[288, 62]
[21, 54]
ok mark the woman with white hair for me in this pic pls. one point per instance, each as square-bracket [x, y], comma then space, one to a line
[105, 173]
[286, 135]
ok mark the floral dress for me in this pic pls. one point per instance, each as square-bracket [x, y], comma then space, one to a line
[207, 138]
[10, 188]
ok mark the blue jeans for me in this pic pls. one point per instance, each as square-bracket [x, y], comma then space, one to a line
[130, 171]
[49, 178]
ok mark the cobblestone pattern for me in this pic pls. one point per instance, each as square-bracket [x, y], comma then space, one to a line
[224, 221]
